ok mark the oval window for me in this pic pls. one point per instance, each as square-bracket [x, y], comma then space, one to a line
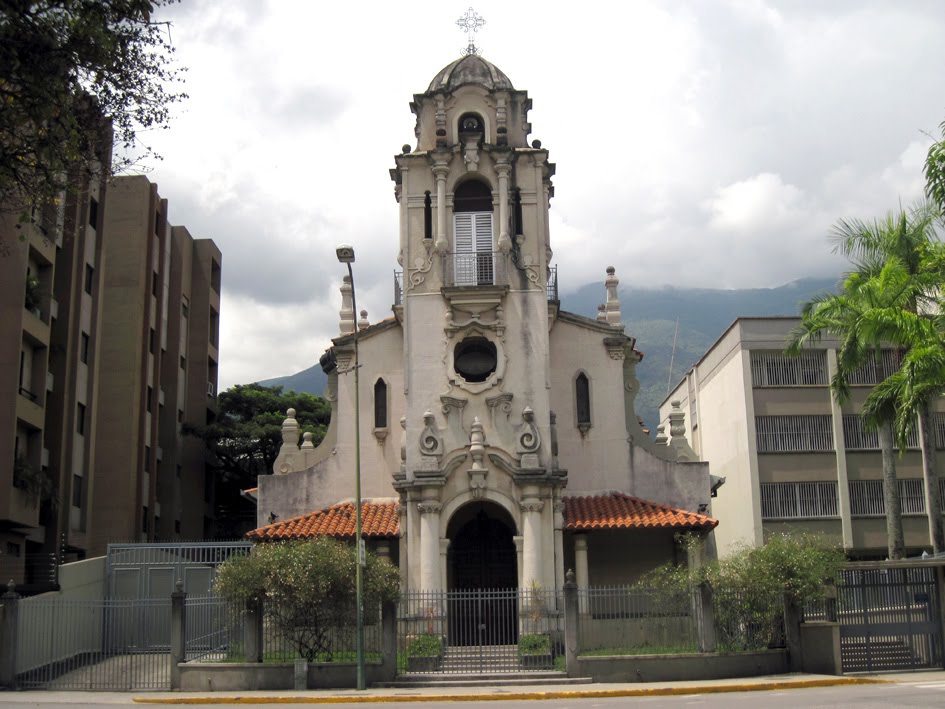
[474, 359]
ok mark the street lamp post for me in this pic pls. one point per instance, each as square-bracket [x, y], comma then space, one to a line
[345, 253]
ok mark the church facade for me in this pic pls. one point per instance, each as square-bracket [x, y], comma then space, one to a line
[499, 443]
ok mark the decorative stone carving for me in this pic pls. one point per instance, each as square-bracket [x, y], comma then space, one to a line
[531, 505]
[471, 155]
[346, 314]
[501, 403]
[613, 302]
[307, 440]
[450, 403]
[431, 444]
[615, 347]
[528, 440]
[660, 439]
[363, 322]
[402, 473]
[677, 431]
[417, 274]
[602, 313]
[554, 439]
[477, 473]
[428, 508]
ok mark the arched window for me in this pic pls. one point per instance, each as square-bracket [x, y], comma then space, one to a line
[471, 125]
[427, 216]
[472, 234]
[582, 396]
[380, 404]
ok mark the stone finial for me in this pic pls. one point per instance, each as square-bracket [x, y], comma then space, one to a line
[403, 444]
[11, 586]
[307, 440]
[677, 432]
[613, 302]
[602, 312]
[179, 586]
[569, 577]
[477, 474]
[346, 314]
[363, 322]
[660, 439]
[290, 431]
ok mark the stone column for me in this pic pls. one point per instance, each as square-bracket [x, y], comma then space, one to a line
[429, 545]
[531, 561]
[440, 171]
[444, 549]
[571, 627]
[505, 243]
[580, 567]
[8, 628]
[517, 540]
[178, 632]
[253, 631]
[559, 543]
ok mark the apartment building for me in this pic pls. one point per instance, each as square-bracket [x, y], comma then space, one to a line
[50, 322]
[795, 459]
[109, 325]
[159, 348]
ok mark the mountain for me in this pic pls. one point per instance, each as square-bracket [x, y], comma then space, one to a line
[311, 380]
[650, 316]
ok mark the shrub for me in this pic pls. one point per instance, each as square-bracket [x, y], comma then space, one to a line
[425, 645]
[534, 644]
[308, 588]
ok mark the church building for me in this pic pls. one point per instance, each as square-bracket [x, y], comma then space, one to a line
[499, 445]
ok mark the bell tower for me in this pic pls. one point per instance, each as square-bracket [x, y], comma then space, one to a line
[476, 299]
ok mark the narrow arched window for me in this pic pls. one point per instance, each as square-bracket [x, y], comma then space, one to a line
[380, 404]
[427, 217]
[582, 393]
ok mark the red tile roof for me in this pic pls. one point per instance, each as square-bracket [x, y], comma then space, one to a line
[378, 520]
[619, 511]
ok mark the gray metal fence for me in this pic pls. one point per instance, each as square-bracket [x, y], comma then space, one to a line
[480, 630]
[95, 644]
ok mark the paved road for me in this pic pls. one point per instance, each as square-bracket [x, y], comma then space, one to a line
[913, 693]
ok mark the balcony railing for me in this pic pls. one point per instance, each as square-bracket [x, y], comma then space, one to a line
[484, 268]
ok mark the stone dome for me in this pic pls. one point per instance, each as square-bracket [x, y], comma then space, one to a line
[471, 69]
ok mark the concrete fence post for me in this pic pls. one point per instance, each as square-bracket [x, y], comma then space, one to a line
[178, 632]
[705, 618]
[571, 629]
[830, 602]
[253, 631]
[792, 634]
[389, 641]
[8, 628]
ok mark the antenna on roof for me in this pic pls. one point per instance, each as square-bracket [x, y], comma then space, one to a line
[470, 24]
[672, 357]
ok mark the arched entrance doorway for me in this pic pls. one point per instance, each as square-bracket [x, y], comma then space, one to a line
[482, 576]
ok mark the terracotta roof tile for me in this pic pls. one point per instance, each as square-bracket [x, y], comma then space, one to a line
[378, 520]
[619, 511]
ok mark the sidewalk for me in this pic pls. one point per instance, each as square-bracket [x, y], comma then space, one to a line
[458, 694]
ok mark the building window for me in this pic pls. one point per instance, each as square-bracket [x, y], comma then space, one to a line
[776, 369]
[147, 459]
[856, 436]
[475, 359]
[93, 212]
[208, 485]
[215, 275]
[151, 340]
[149, 398]
[89, 278]
[380, 404]
[427, 216]
[144, 520]
[473, 262]
[84, 347]
[180, 416]
[77, 491]
[866, 497]
[582, 400]
[799, 500]
[154, 284]
[784, 434]
[876, 370]
[80, 419]
[157, 223]
[180, 472]
[13, 549]
[177, 526]
[184, 306]
[183, 362]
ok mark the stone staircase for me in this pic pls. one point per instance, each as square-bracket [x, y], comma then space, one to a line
[488, 665]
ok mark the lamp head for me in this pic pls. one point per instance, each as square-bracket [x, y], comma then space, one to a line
[345, 253]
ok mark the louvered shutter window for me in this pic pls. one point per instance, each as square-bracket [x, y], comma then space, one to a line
[472, 248]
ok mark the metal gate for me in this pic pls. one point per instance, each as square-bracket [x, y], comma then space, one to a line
[890, 619]
[96, 644]
[480, 631]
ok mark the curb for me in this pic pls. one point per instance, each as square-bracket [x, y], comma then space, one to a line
[580, 694]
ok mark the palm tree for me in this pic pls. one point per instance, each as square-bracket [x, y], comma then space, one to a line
[842, 316]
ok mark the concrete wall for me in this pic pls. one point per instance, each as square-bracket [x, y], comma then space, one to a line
[674, 668]
[238, 676]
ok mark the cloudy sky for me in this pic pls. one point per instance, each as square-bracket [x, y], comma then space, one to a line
[698, 143]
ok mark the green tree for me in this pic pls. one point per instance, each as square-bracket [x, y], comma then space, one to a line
[64, 66]
[935, 171]
[308, 589]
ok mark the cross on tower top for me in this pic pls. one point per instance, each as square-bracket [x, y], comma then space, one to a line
[470, 24]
